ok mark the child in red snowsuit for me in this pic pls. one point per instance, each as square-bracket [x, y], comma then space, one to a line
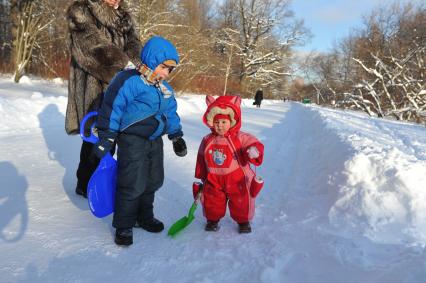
[223, 166]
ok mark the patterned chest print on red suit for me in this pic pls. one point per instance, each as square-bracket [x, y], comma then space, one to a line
[219, 156]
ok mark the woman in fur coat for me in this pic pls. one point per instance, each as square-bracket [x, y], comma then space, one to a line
[102, 42]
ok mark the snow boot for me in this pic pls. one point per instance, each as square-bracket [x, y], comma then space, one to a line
[79, 190]
[244, 228]
[124, 237]
[212, 226]
[153, 225]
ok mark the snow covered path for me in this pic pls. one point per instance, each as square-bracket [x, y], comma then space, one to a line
[344, 201]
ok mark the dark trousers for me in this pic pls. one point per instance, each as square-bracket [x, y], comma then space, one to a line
[85, 167]
[140, 174]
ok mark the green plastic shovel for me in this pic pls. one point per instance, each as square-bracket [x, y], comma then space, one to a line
[184, 221]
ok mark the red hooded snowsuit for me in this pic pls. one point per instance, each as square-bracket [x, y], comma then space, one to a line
[223, 164]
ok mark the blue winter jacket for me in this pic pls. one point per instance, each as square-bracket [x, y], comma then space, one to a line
[134, 106]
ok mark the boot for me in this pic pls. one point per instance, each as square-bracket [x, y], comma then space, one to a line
[124, 237]
[153, 225]
[212, 226]
[80, 190]
[244, 227]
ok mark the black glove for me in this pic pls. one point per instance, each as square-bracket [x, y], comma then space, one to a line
[100, 149]
[179, 146]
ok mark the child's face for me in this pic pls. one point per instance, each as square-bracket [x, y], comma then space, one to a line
[221, 126]
[163, 71]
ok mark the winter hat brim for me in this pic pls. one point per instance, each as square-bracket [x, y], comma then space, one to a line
[221, 116]
[170, 63]
[216, 110]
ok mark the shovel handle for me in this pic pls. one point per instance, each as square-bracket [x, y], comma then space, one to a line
[194, 205]
[92, 138]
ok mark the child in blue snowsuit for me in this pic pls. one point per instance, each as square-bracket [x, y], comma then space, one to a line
[138, 108]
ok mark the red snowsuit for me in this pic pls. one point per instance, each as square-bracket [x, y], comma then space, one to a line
[223, 165]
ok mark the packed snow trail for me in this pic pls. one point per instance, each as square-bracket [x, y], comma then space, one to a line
[344, 201]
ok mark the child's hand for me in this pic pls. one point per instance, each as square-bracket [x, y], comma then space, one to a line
[196, 188]
[253, 152]
[100, 149]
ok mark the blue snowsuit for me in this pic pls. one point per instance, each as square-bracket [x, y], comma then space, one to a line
[136, 114]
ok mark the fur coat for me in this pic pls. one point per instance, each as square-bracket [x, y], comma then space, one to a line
[102, 42]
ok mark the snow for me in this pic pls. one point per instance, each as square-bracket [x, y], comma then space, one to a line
[344, 200]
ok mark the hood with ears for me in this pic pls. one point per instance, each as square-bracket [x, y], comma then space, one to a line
[226, 104]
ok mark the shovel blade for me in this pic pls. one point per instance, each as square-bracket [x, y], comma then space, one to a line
[178, 226]
[183, 222]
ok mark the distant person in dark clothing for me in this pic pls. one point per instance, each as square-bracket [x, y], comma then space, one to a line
[258, 97]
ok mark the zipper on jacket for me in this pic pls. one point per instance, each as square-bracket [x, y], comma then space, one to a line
[245, 177]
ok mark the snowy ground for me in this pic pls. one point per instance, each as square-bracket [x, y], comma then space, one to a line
[344, 201]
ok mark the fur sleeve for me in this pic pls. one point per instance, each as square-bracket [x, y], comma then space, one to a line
[76, 17]
[90, 48]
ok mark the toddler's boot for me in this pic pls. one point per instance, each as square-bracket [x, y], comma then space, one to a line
[212, 226]
[244, 227]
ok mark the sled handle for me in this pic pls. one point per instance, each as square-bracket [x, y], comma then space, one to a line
[92, 138]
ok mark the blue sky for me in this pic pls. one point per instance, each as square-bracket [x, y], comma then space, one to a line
[330, 20]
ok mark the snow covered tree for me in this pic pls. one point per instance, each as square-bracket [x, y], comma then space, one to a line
[266, 32]
[380, 68]
[396, 88]
[390, 67]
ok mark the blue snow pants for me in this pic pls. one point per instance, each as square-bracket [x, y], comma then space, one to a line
[140, 175]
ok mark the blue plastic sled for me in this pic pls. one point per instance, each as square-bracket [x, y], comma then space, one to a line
[102, 184]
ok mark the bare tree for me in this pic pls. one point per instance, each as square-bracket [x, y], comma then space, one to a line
[5, 32]
[185, 23]
[30, 23]
[322, 71]
[226, 39]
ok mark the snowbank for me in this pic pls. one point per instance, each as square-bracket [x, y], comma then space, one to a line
[384, 195]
